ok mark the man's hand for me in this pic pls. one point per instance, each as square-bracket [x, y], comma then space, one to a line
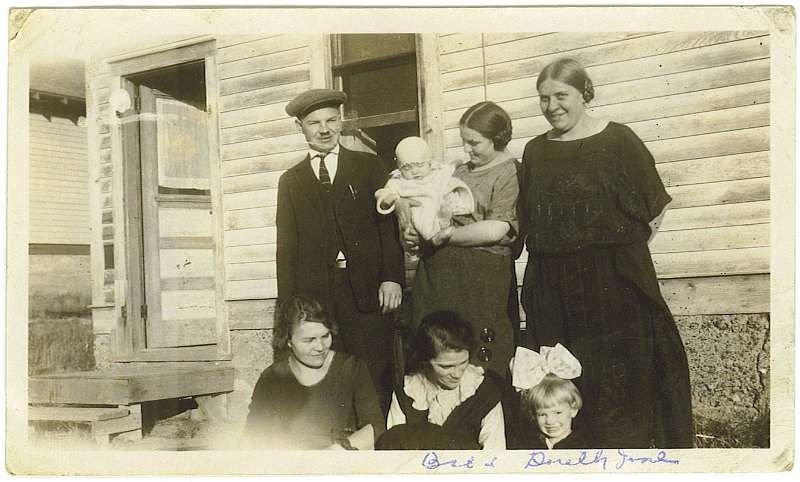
[410, 239]
[390, 295]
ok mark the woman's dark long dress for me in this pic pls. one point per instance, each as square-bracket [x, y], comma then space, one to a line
[590, 284]
[475, 281]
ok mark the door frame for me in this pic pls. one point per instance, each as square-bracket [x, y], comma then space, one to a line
[129, 338]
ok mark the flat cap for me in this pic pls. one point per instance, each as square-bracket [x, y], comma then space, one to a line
[314, 99]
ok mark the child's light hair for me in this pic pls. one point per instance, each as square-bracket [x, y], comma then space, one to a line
[551, 391]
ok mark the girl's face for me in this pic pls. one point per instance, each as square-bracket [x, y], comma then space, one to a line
[555, 422]
[448, 367]
[480, 149]
[562, 104]
[310, 343]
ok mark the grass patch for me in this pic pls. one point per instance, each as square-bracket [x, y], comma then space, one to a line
[57, 345]
[716, 434]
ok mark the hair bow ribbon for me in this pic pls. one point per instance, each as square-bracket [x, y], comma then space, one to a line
[529, 368]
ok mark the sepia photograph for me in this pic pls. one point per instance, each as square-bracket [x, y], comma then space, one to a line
[296, 240]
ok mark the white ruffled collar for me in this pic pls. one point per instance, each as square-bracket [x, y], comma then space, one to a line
[439, 402]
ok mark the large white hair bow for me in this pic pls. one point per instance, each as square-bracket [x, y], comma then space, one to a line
[529, 368]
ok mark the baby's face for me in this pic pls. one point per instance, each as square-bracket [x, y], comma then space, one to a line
[414, 169]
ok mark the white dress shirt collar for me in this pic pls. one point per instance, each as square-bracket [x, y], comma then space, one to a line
[331, 162]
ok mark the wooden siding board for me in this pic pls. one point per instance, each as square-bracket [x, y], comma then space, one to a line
[710, 145]
[733, 119]
[250, 218]
[716, 193]
[491, 38]
[650, 46]
[726, 237]
[258, 131]
[555, 43]
[251, 199]
[251, 289]
[270, 95]
[261, 164]
[251, 236]
[714, 169]
[266, 79]
[251, 271]
[756, 212]
[263, 63]
[250, 253]
[251, 314]
[459, 41]
[713, 295]
[713, 55]
[251, 182]
[261, 46]
[462, 60]
[683, 82]
[253, 115]
[712, 263]
[288, 143]
[462, 79]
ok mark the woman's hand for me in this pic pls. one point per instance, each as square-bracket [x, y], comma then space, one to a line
[442, 236]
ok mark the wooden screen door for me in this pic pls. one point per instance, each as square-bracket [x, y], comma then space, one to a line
[177, 223]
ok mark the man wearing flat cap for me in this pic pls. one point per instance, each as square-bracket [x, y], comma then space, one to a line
[332, 244]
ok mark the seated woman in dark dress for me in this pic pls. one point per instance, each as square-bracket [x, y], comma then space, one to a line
[312, 398]
[446, 402]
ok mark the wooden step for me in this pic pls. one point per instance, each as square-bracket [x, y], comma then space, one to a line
[76, 414]
[100, 423]
[129, 385]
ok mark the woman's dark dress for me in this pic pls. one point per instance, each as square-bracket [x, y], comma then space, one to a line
[590, 284]
[459, 432]
[475, 281]
[286, 415]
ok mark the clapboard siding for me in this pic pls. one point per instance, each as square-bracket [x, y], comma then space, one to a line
[622, 71]
[712, 169]
[258, 143]
[259, 46]
[58, 182]
[263, 63]
[701, 103]
[700, 100]
[250, 236]
[251, 182]
[260, 164]
[726, 237]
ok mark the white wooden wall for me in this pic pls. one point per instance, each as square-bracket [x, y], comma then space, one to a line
[258, 76]
[700, 102]
[59, 201]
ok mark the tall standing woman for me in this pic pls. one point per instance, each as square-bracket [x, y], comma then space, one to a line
[591, 200]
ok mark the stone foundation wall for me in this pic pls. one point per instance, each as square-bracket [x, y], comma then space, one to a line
[729, 367]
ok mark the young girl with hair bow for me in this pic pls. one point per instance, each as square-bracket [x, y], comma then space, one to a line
[548, 399]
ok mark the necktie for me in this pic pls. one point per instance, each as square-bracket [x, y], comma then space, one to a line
[324, 175]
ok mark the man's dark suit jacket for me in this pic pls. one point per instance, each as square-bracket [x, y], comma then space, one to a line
[304, 260]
